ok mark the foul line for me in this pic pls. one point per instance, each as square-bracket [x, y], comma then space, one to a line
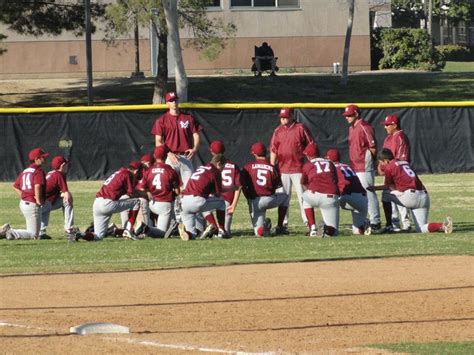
[185, 347]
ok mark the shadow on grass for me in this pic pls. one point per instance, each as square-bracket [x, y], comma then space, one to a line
[362, 87]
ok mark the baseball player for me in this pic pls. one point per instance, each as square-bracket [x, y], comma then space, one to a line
[362, 154]
[144, 212]
[259, 180]
[230, 180]
[179, 132]
[289, 140]
[58, 196]
[161, 182]
[320, 184]
[353, 196]
[403, 187]
[30, 185]
[399, 145]
[108, 202]
[205, 181]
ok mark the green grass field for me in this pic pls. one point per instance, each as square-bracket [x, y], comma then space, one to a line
[451, 194]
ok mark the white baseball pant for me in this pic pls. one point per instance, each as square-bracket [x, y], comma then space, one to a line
[357, 204]
[328, 204]
[289, 180]
[184, 168]
[32, 213]
[144, 212]
[192, 205]
[368, 179]
[417, 201]
[68, 213]
[163, 210]
[258, 207]
[103, 209]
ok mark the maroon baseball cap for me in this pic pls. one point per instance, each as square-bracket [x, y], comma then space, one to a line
[160, 152]
[286, 112]
[147, 158]
[37, 153]
[135, 165]
[351, 110]
[333, 155]
[171, 96]
[217, 147]
[58, 161]
[311, 150]
[390, 119]
[259, 149]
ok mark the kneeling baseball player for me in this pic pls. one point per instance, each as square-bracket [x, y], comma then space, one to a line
[319, 180]
[259, 181]
[403, 187]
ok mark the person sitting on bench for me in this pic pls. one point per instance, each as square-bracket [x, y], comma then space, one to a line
[265, 54]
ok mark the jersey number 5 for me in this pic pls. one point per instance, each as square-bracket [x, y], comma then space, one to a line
[261, 177]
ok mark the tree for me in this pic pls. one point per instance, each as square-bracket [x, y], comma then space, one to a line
[347, 43]
[36, 17]
[209, 35]
[171, 15]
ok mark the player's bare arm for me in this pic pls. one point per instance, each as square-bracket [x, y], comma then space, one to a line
[18, 191]
[38, 194]
[273, 158]
[231, 208]
[158, 141]
[190, 153]
[67, 197]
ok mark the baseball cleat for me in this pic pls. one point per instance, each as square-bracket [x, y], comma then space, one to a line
[281, 230]
[313, 232]
[223, 234]
[171, 229]
[182, 232]
[267, 226]
[5, 228]
[44, 237]
[129, 235]
[142, 229]
[208, 232]
[448, 225]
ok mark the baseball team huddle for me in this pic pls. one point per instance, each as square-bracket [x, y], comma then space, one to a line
[162, 194]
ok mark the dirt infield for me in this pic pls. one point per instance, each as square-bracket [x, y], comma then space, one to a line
[329, 307]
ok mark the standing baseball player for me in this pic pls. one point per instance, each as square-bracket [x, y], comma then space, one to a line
[403, 187]
[30, 185]
[362, 155]
[179, 132]
[196, 198]
[231, 181]
[319, 180]
[108, 202]
[397, 142]
[58, 196]
[161, 183]
[353, 196]
[289, 140]
[259, 180]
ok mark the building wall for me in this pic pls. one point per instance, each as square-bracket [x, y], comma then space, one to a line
[309, 38]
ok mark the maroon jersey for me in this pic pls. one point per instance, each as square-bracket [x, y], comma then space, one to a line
[161, 180]
[361, 139]
[26, 181]
[118, 184]
[176, 131]
[260, 178]
[55, 185]
[205, 180]
[319, 175]
[230, 178]
[399, 145]
[288, 144]
[399, 174]
[347, 180]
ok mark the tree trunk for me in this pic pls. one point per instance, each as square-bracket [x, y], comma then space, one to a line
[137, 49]
[347, 44]
[161, 80]
[171, 15]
